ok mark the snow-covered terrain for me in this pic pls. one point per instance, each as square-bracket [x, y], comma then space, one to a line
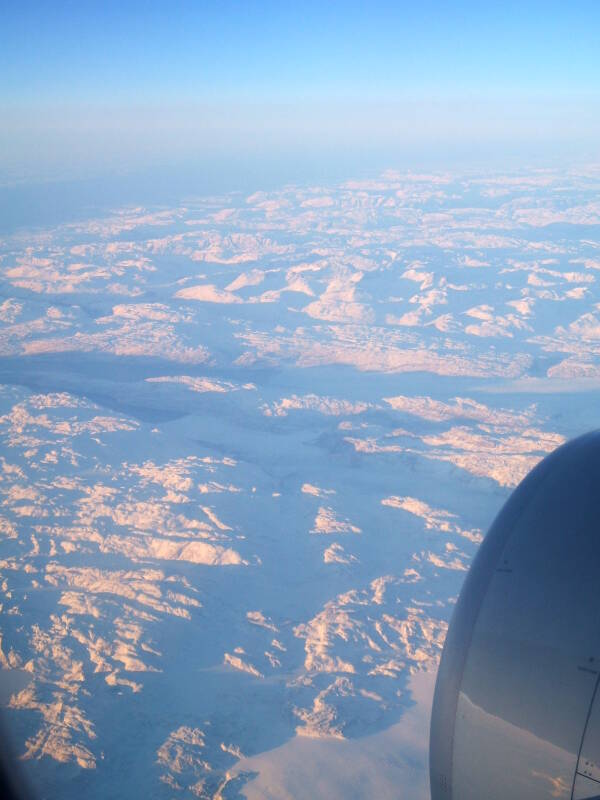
[250, 446]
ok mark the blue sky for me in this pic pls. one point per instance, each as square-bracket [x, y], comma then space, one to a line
[100, 84]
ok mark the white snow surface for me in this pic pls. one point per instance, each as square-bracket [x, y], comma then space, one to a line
[249, 448]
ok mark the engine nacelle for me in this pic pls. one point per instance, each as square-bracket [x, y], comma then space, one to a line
[516, 711]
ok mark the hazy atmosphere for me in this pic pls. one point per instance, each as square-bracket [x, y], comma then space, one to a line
[290, 300]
